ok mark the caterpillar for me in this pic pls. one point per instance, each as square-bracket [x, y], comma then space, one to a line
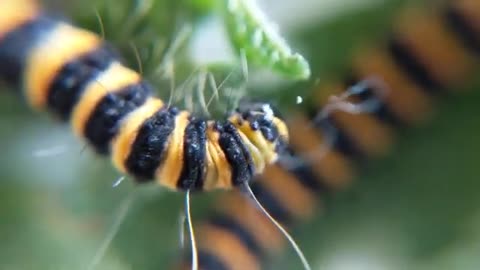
[77, 77]
[428, 52]
[74, 75]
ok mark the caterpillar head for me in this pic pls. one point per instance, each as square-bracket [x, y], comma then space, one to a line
[262, 126]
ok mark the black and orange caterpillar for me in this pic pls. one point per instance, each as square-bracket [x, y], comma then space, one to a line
[75, 75]
[428, 51]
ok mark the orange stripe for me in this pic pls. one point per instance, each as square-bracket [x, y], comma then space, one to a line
[471, 10]
[223, 167]
[434, 47]
[237, 206]
[332, 167]
[211, 174]
[297, 199]
[256, 137]
[255, 153]
[15, 13]
[64, 44]
[115, 78]
[169, 171]
[282, 128]
[403, 98]
[122, 143]
[227, 247]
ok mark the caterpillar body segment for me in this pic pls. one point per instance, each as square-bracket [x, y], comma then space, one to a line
[73, 74]
[16, 13]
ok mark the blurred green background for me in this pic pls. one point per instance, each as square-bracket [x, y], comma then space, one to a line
[417, 208]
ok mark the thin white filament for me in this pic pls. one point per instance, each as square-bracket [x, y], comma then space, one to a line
[213, 86]
[100, 23]
[193, 243]
[171, 72]
[115, 227]
[216, 89]
[244, 63]
[201, 83]
[181, 37]
[181, 231]
[136, 53]
[118, 181]
[50, 152]
[295, 246]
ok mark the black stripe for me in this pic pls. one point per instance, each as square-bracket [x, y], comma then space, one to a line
[194, 154]
[236, 152]
[415, 71]
[271, 204]
[307, 178]
[105, 119]
[208, 261]
[302, 171]
[247, 239]
[16, 46]
[460, 26]
[332, 133]
[149, 148]
[74, 76]
[230, 128]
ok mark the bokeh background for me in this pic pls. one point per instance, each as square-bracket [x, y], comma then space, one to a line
[416, 208]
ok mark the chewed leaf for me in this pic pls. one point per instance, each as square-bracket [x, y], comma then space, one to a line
[257, 38]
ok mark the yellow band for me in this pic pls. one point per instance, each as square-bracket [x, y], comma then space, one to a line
[64, 44]
[122, 143]
[115, 78]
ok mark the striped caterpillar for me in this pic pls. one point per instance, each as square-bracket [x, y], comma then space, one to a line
[73, 74]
